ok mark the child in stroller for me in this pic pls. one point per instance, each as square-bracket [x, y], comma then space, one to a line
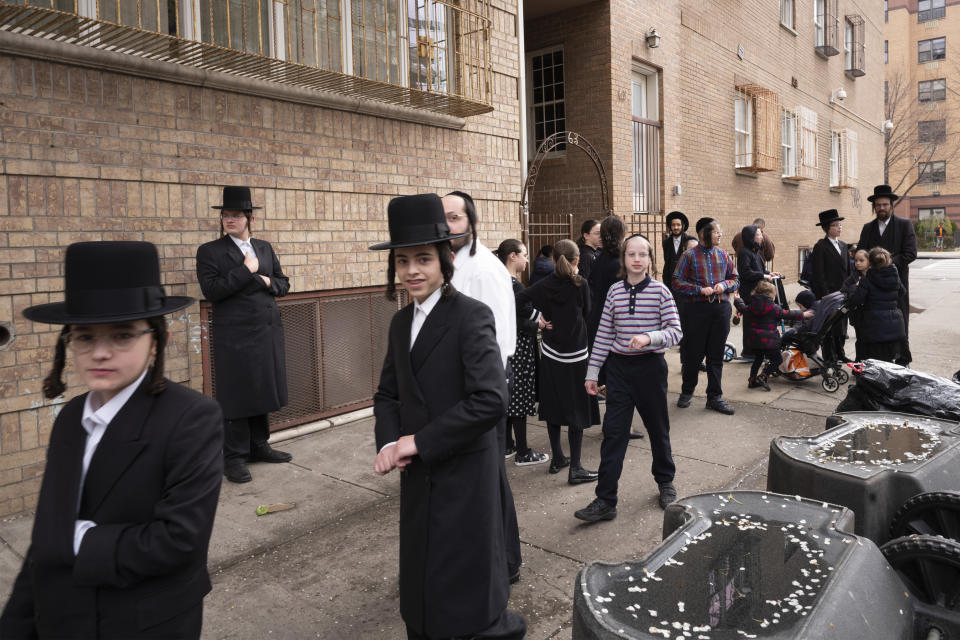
[810, 337]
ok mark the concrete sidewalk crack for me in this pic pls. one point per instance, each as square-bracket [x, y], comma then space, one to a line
[359, 486]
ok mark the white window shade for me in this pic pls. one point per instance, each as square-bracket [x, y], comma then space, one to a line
[807, 147]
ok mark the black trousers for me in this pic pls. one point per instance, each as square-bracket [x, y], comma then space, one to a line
[772, 355]
[705, 329]
[634, 382]
[905, 357]
[241, 435]
[509, 626]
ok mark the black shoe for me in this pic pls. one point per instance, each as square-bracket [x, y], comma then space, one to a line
[515, 577]
[237, 473]
[668, 494]
[597, 510]
[267, 453]
[720, 405]
[581, 475]
[758, 382]
[557, 464]
[684, 400]
[510, 452]
[635, 435]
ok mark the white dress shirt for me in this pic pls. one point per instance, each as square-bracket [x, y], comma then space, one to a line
[420, 313]
[882, 226]
[836, 244]
[676, 244]
[96, 419]
[244, 245]
[483, 277]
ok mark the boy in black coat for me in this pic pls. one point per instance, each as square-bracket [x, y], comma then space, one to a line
[441, 394]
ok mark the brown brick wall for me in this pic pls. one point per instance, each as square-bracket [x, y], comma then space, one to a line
[96, 155]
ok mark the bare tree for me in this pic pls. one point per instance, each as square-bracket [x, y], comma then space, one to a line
[922, 133]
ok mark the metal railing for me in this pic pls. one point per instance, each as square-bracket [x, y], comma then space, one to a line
[540, 230]
[429, 54]
[646, 166]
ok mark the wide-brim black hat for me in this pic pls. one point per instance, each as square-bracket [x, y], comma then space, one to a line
[828, 217]
[109, 282]
[702, 222]
[236, 199]
[883, 191]
[416, 220]
[678, 215]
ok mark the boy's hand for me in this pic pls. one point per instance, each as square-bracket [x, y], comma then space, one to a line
[808, 313]
[640, 341]
[591, 387]
[386, 460]
[406, 449]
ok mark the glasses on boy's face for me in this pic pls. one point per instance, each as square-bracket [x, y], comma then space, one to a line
[85, 341]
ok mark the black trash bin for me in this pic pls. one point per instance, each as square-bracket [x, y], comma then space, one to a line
[747, 564]
[872, 463]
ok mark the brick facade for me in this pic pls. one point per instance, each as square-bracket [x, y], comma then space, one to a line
[93, 154]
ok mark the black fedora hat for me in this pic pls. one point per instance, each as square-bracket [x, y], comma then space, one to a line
[109, 282]
[678, 215]
[415, 220]
[236, 199]
[702, 222]
[828, 217]
[883, 191]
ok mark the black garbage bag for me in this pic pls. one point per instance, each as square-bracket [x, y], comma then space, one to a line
[956, 376]
[882, 386]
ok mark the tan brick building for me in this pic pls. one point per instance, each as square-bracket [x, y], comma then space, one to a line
[113, 132]
[922, 76]
[665, 118]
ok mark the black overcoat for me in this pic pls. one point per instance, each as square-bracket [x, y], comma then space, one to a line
[152, 489]
[248, 356]
[449, 392]
[671, 257]
[898, 238]
[830, 269]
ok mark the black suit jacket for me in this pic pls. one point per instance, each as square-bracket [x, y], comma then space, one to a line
[449, 392]
[671, 257]
[829, 268]
[152, 489]
[248, 348]
[898, 238]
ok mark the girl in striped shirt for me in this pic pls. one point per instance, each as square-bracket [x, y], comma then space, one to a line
[639, 323]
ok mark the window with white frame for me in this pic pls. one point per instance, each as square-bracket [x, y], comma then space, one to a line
[932, 172]
[743, 130]
[931, 10]
[847, 44]
[819, 9]
[843, 158]
[645, 114]
[788, 144]
[787, 13]
[545, 70]
[932, 49]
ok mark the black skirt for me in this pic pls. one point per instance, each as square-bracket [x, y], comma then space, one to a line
[563, 398]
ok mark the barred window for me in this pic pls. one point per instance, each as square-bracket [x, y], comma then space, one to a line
[932, 172]
[799, 144]
[933, 49]
[547, 101]
[843, 159]
[932, 90]
[931, 131]
[757, 128]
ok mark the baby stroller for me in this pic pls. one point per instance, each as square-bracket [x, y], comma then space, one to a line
[811, 342]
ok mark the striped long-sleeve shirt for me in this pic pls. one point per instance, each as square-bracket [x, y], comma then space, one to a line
[701, 267]
[647, 307]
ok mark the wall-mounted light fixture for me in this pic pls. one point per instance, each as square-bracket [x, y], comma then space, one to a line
[653, 38]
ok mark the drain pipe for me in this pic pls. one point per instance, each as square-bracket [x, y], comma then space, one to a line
[521, 44]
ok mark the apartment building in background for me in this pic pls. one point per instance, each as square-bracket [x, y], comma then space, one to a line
[922, 79]
[122, 119]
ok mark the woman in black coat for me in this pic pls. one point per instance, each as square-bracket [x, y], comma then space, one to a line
[752, 271]
[880, 329]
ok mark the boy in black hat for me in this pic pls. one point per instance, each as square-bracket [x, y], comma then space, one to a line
[441, 394]
[674, 244]
[830, 267]
[129, 493]
[241, 276]
[897, 236]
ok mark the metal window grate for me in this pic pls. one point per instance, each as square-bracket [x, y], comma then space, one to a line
[334, 343]
[291, 44]
[757, 129]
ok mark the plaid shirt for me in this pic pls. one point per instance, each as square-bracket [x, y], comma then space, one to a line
[701, 267]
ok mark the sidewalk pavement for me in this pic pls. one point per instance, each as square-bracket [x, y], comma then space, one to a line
[328, 567]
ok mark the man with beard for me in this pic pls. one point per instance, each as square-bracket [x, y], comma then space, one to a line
[478, 273]
[896, 235]
[674, 244]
